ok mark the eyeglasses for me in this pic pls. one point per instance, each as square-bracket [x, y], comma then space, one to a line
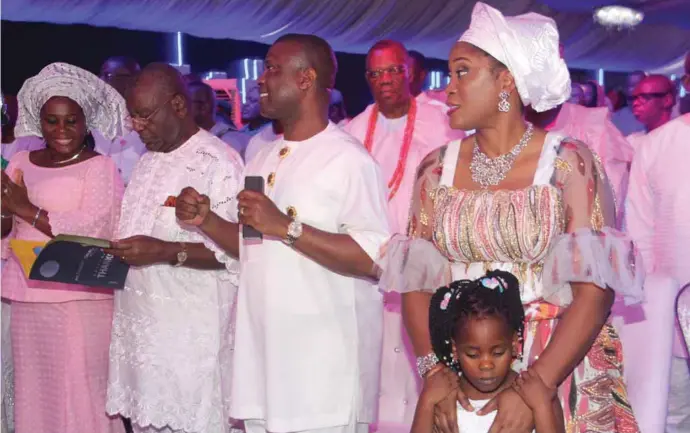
[646, 97]
[375, 74]
[115, 76]
[142, 122]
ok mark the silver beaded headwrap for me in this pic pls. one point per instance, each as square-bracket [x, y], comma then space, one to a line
[104, 108]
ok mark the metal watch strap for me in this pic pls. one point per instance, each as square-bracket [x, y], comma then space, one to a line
[426, 363]
[290, 237]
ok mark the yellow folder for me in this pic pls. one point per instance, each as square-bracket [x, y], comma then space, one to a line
[27, 252]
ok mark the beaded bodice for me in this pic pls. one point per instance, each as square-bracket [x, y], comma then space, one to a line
[515, 226]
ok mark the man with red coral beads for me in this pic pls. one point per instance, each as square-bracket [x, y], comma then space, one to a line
[399, 131]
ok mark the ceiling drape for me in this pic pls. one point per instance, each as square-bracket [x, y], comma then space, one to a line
[430, 26]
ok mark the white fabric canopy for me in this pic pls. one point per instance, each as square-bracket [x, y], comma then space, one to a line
[430, 26]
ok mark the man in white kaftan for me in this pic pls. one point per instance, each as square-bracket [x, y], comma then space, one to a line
[398, 147]
[658, 219]
[310, 335]
[308, 328]
[171, 340]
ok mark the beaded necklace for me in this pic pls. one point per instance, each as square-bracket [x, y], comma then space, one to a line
[396, 179]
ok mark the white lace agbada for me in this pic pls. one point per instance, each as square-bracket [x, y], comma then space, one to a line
[172, 336]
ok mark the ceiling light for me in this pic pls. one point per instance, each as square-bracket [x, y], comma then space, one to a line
[620, 17]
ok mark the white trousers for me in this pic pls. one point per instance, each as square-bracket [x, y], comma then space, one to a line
[678, 417]
[259, 426]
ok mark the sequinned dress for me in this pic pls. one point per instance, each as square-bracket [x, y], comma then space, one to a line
[557, 230]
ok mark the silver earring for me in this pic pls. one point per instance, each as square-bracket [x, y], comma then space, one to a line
[503, 104]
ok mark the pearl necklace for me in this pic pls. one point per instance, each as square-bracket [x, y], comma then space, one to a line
[492, 171]
[71, 158]
[396, 179]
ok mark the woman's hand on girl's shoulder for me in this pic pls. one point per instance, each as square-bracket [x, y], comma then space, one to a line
[533, 390]
[442, 386]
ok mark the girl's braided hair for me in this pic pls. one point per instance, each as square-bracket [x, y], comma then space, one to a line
[496, 294]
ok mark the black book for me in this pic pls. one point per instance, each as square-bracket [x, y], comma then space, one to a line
[79, 260]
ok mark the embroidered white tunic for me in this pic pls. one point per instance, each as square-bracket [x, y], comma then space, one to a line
[310, 338]
[171, 338]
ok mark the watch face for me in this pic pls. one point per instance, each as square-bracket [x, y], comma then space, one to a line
[181, 256]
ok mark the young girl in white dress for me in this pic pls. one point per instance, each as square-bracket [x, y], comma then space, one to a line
[476, 329]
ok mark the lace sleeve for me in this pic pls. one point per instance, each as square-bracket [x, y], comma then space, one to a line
[99, 209]
[223, 189]
[591, 250]
[412, 263]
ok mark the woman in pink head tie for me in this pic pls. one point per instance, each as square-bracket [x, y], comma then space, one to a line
[515, 198]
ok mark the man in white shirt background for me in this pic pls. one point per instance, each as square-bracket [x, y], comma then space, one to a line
[658, 220]
[204, 112]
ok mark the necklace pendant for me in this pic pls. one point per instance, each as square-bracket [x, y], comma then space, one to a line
[491, 171]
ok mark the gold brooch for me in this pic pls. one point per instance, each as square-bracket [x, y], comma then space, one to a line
[292, 212]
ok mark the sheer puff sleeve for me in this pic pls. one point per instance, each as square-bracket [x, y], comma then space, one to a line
[412, 263]
[591, 250]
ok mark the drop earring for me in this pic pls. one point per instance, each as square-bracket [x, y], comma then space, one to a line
[503, 104]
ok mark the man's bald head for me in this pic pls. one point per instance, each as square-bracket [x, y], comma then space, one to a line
[159, 104]
[315, 53]
[389, 45]
[658, 83]
[161, 78]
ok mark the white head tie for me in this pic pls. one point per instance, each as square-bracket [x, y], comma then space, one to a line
[528, 46]
[104, 108]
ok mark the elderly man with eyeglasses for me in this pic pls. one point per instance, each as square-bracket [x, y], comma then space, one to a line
[399, 131]
[171, 341]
